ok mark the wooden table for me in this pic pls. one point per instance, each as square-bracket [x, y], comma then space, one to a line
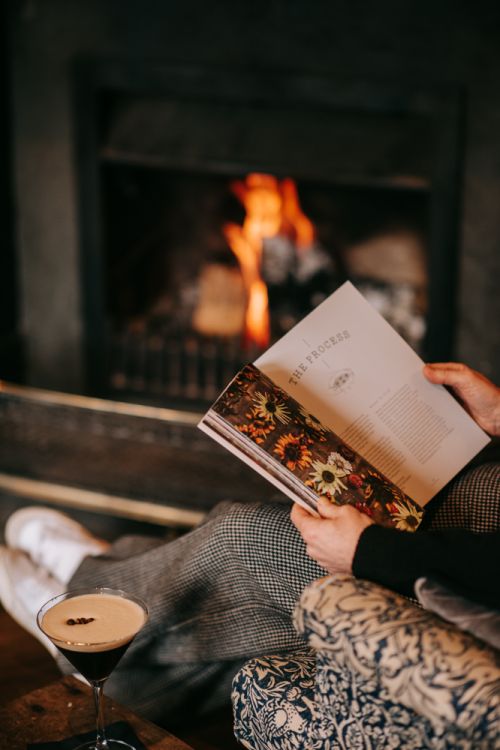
[65, 708]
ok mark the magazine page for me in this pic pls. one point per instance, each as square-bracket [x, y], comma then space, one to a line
[345, 364]
[272, 432]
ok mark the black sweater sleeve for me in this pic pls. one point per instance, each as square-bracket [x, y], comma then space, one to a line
[469, 563]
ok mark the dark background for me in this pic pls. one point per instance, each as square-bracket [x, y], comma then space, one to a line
[431, 45]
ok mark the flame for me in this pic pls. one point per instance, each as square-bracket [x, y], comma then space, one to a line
[295, 221]
[272, 207]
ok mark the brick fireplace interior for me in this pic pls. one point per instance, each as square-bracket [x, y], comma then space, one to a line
[138, 134]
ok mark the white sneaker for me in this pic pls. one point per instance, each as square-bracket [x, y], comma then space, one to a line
[53, 540]
[24, 588]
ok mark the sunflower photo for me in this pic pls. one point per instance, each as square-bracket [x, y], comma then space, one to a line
[306, 459]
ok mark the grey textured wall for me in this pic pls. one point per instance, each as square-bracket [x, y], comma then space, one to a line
[449, 43]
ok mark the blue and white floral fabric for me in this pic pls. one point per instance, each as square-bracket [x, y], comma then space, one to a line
[381, 674]
[273, 700]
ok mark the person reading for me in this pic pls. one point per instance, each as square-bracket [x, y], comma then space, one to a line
[226, 591]
[344, 540]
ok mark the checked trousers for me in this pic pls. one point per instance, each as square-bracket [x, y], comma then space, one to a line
[226, 591]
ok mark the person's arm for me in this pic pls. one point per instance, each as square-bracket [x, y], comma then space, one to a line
[467, 563]
[343, 540]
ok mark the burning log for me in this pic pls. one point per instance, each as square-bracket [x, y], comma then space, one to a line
[221, 306]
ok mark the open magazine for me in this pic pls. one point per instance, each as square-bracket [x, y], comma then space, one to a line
[339, 407]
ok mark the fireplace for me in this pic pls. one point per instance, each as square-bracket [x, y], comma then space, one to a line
[123, 119]
[184, 310]
[171, 161]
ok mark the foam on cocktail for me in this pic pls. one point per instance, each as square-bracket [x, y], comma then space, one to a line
[93, 622]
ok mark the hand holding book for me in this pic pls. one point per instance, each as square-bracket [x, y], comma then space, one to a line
[332, 539]
[340, 408]
[478, 395]
[304, 457]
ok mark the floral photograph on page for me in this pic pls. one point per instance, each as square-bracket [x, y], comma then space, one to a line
[279, 425]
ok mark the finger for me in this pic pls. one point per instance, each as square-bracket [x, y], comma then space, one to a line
[306, 524]
[298, 515]
[327, 509]
[447, 373]
[446, 365]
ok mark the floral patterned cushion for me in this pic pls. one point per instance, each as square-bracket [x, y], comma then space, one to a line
[382, 674]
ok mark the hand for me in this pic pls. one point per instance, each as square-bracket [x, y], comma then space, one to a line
[478, 395]
[332, 539]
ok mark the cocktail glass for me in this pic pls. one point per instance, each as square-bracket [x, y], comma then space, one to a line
[93, 628]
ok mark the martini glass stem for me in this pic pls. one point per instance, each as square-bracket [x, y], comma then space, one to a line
[101, 742]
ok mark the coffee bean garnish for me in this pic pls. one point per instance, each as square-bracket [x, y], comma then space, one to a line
[80, 620]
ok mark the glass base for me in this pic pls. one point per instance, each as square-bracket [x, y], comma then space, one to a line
[110, 743]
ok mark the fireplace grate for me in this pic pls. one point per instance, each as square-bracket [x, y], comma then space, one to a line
[179, 368]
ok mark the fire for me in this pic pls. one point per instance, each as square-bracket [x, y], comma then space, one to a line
[296, 223]
[272, 208]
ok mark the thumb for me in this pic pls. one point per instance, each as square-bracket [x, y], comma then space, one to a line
[447, 373]
[327, 509]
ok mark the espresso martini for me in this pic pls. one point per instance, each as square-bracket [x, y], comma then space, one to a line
[93, 630]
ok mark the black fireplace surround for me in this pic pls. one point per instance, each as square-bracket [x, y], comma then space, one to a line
[226, 124]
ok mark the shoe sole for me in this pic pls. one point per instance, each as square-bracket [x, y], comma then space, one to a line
[10, 602]
[55, 518]
[13, 606]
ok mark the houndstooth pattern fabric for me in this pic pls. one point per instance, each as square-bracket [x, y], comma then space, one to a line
[219, 595]
[471, 501]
